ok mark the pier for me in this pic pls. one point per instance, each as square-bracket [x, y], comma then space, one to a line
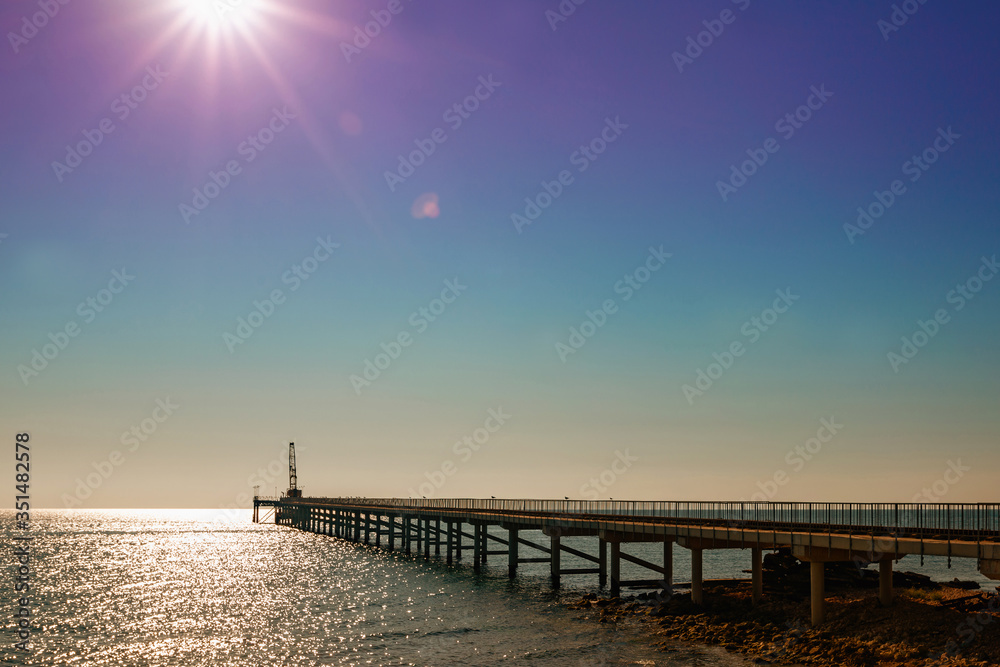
[816, 533]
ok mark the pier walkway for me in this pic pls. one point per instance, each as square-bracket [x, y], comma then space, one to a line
[816, 533]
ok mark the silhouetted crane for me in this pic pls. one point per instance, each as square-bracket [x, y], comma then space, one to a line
[293, 479]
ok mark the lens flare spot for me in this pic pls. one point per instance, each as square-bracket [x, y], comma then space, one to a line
[350, 123]
[426, 206]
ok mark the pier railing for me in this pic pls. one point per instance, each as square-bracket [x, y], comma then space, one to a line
[947, 521]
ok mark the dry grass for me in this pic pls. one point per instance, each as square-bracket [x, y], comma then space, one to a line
[922, 594]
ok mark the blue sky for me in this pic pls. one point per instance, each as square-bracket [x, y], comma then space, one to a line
[329, 127]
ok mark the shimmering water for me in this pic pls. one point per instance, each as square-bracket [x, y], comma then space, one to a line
[177, 588]
[170, 587]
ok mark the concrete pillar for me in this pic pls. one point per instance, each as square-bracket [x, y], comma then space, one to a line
[449, 541]
[885, 581]
[477, 548]
[816, 571]
[484, 544]
[458, 540]
[427, 539]
[696, 577]
[616, 569]
[437, 537]
[407, 534]
[512, 552]
[392, 532]
[378, 530]
[554, 545]
[668, 564]
[757, 568]
[602, 562]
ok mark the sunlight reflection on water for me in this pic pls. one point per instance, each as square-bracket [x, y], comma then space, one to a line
[178, 587]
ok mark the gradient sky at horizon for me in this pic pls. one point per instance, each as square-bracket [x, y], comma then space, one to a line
[323, 176]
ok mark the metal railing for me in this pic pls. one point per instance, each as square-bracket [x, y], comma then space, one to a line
[979, 521]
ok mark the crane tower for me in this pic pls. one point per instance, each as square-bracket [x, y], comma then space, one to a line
[293, 481]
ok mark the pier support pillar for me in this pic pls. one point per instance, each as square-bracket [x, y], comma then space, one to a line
[477, 548]
[554, 545]
[449, 541]
[437, 535]
[378, 530]
[696, 577]
[616, 569]
[512, 552]
[458, 540]
[885, 581]
[817, 592]
[757, 575]
[392, 532]
[602, 562]
[668, 566]
[427, 539]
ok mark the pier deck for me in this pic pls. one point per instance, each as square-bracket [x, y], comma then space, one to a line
[816, 532]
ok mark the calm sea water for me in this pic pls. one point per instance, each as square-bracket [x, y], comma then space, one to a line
[170, 587]
[177, 588]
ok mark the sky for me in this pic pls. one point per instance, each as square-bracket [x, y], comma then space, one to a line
[728, 250]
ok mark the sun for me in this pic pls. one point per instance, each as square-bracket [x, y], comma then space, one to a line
[219, 15]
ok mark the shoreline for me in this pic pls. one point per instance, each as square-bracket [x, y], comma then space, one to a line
[934, 624]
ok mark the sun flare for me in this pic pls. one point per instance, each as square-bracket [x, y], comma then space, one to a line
[220, 15]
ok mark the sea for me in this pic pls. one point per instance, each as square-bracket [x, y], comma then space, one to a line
[182, 588]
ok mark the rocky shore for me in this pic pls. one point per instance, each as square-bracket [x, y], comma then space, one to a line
[928, 624]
